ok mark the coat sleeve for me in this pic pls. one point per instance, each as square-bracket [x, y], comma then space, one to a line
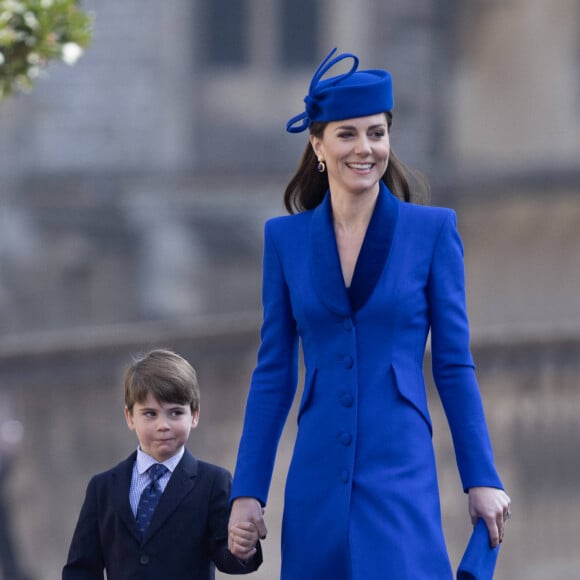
[218, 515]
[274, 382]
[85, 558]
[453, 366]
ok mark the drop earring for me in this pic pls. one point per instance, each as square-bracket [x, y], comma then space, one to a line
[321, 167]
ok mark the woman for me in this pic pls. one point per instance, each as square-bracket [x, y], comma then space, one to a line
[360, 276]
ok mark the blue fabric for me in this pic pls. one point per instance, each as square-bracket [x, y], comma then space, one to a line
[352, 94]
[150, 497]
[361, 497]
[478, 561]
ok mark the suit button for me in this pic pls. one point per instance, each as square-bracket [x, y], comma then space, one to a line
[345, 438]
[347, 324]
[346, 400]
[348, 362]
[144, 559]
[344, 475]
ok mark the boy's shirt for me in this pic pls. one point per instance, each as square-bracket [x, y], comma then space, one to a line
[140, 478]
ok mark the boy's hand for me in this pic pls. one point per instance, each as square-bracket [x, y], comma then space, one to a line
[243, 537]
[246, 526]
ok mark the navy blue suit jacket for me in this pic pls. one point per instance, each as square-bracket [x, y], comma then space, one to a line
[187, 537]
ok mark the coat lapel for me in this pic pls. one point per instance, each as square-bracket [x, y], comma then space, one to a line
[325, 262]
[375, 249]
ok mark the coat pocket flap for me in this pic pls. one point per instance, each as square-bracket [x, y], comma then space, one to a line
[411, 387]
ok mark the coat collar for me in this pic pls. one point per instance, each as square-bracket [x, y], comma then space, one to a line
[325, 262]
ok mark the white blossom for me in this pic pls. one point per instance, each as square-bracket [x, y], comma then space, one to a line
[5, 16]
[33, 58]
[71, 52]
[30, 20]
[33, 72]
[14, 6]
[2, 59]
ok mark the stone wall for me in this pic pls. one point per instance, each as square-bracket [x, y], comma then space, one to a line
[66, 391]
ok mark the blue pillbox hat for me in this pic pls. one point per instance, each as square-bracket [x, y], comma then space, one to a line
[356, 93]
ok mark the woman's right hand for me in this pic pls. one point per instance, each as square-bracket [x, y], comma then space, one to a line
[245, 510]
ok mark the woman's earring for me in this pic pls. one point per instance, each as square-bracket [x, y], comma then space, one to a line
[321, 167]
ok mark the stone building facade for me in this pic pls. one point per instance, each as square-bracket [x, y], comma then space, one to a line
[133, 191]
[117, 172]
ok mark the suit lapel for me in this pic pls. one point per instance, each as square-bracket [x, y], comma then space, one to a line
[120, 485]
[376, 248]
[325, 262]
[180, 484]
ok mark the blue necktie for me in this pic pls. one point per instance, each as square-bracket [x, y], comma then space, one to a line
[150, 497]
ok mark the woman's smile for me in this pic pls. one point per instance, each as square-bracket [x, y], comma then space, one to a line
[360, 167]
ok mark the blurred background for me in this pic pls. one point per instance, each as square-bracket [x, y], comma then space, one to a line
[133, 191]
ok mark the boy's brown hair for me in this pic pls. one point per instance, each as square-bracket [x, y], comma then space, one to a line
[164, 374]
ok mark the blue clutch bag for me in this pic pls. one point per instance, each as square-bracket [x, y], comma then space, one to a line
[479, 558]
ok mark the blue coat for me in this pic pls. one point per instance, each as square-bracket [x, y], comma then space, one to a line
[361, 498]
[187, 537]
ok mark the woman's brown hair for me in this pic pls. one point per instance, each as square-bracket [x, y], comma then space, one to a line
[307, 188]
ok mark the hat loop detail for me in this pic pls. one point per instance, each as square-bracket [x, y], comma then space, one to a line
[355, 93]
[312, 107]
[325, 66]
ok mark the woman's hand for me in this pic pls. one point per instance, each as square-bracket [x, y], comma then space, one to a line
[493, 505]
[245, 527]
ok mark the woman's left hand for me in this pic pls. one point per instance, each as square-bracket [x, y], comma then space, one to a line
[493, 505]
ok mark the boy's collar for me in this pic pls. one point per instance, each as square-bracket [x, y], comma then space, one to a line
[144, 461]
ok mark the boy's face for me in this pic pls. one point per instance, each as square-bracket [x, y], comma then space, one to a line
[162, 428]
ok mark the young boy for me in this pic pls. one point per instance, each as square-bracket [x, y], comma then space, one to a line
[170, 521]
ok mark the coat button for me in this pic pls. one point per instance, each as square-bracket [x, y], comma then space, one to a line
[347, 324]
[344, 475]
[348, 361]
[345, 438]
[144, 559]
[346, 400]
